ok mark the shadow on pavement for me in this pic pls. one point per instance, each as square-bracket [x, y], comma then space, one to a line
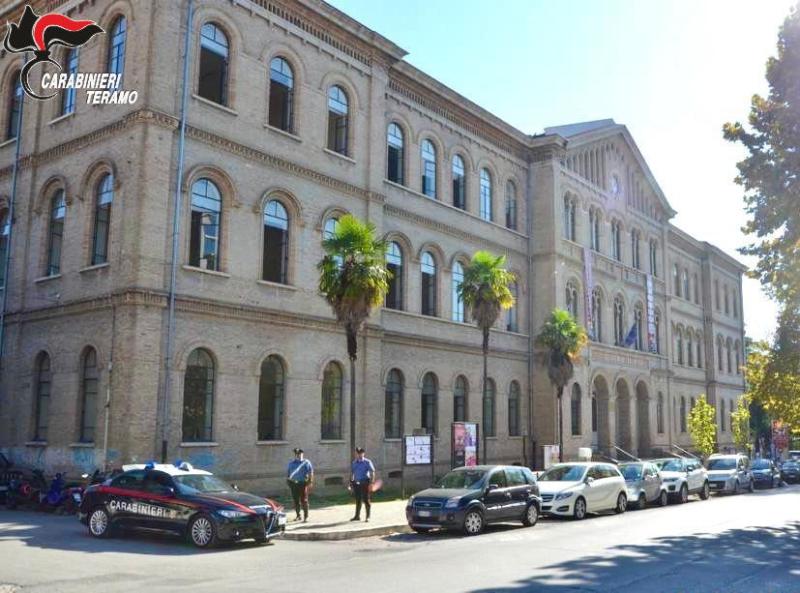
[752, 559]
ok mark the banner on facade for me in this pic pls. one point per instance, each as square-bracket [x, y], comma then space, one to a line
[464, 444]
[588, 288]
[651, 317]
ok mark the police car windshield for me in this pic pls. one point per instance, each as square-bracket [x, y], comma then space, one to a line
[721, 463]
[673, 465]
[465, 480]
[199, 483]
[632, 472]
[563, 473]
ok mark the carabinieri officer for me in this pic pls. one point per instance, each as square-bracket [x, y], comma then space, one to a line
[299, 474]
[363, 474]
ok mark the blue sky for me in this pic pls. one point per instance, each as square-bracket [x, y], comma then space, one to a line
[673, 71]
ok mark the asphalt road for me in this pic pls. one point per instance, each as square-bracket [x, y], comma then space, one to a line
[748, 543]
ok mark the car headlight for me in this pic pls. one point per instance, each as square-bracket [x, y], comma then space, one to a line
[452, 503]
[231, 514]
[563, 495]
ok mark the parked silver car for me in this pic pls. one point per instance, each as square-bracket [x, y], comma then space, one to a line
[729, 473]
[644, 484]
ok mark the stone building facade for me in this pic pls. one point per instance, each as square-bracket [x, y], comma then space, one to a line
[295, 115]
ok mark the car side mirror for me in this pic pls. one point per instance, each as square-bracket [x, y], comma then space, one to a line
[492, 487]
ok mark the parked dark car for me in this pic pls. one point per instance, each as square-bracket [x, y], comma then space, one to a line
[766, 474]
[790, 471]
[469, 498]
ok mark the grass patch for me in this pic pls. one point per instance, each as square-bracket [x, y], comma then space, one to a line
[332, 497]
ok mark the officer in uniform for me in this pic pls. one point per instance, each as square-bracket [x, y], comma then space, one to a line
[299, 474]
[363, 474]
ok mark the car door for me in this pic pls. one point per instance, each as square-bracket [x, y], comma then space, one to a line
[650, 477]
[161, 500]
[520, 491]
[613, 482]
[125, 495]
[593, 490]
[497, 499]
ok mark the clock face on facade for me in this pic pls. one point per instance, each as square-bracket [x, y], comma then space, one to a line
[615, 186]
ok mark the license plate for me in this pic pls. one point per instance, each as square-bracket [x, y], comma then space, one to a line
[282, 520]
[424, 513]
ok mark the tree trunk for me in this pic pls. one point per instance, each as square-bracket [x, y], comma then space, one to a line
[352, 352]
[560, 425]
[485, 456]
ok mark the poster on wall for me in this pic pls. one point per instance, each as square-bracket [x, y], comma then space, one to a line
[418, 449]
[464, 445]
[651, 317]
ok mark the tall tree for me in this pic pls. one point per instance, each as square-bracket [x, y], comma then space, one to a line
[486, 292]
[703, 427]
[740, 425]
[353, 279]
[773, 376]
[563, 338]
[769, 174]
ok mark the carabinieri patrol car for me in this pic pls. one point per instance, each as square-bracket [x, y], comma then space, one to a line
[179, 499]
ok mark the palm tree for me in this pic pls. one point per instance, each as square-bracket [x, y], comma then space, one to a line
[563, 338]
[353, 279]
[485, 292]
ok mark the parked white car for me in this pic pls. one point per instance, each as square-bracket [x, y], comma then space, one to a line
[729, 473]
[684, 477]
[574, 489]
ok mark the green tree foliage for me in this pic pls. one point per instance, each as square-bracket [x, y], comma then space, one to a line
[703, 427]
[740, 425]
[773, 379]
[563, 338]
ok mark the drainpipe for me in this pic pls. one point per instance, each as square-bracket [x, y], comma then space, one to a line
[108, 383]
[7, 263]
[531, 462]
[176, 227]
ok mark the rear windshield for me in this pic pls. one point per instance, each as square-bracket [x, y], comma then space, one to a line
[721, 464]
[563, 473]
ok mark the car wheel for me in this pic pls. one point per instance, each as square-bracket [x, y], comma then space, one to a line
[473, 522]
[579, 512]
[705, 492]
[683, 495]
[641, 502]
[531, 516]
[421, 529]
[663, 499]
[202, 532]
[99, 523]
[622, 503]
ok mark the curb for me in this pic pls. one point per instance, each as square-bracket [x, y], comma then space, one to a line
[316, 536]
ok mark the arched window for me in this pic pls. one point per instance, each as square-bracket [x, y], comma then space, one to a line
[679, 347]
[569, 218]
[198, 397]
[616, 240]
[512, 321]
[513, 410]
[716, 294]
[212, 83]
[395, 154]
[638, 320]
[458, 302]
[331, 429]
[460, 398]
[575, 408]
[511, 206]
[683, 414]
[116, 47]
[728, 355]
[686, 293]
[676, 280]
[735, 303]
[691, 404]
[635, 239]
[275, 266]
[737, 347]
[696, 290]
[489, 408]
[428, 156]
[394, 263]
[720, 365]
[660, 413]
[338, 120]
[597, 316]
[204, 235]
[654, 257]
[328, 232]
[394, 405]
[689, 349]
[5, 233]
[55, 238]
[657, 322]
[459, 183]
[42, 406]
[89, 382]
[271, 394]
[70, 67]
[722, 415]
[486, 195]
[725, 299]
[594, 412]
[594, 228]
[281, 95]
[572, 299]
[428, 269]
[14, 107]
[104, 197]
[699, 351]
[429, 403]
[619, 321]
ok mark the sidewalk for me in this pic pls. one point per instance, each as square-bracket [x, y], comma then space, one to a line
[333, 522]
